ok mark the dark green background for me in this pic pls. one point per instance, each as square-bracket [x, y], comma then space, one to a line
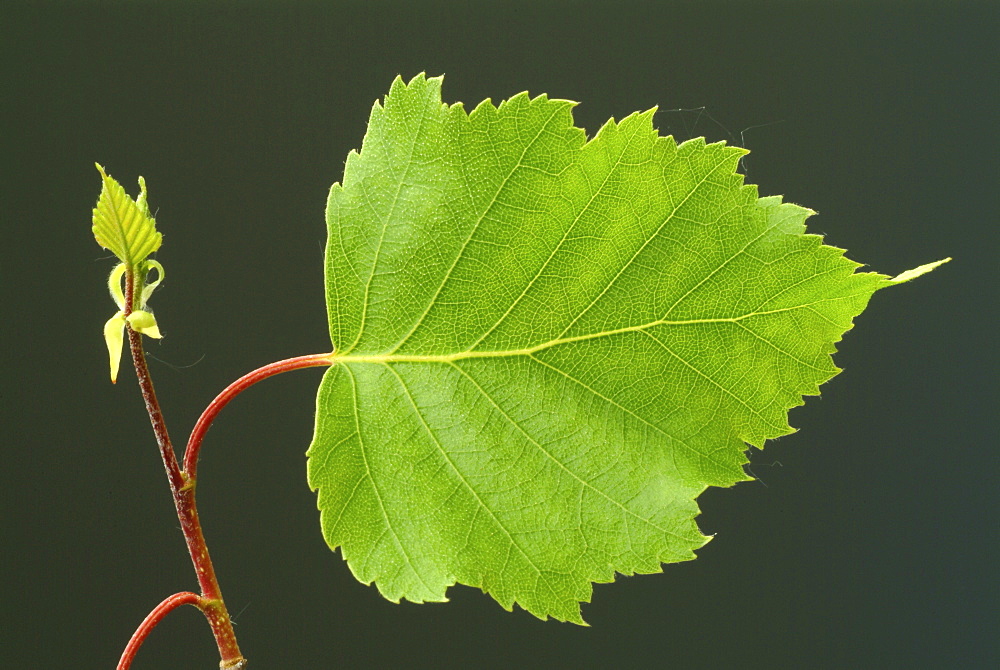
[870, 540]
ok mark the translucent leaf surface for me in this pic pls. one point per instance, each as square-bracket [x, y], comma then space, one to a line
[122, 225]
[548, 347]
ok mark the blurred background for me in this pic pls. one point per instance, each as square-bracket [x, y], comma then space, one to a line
[867, 540]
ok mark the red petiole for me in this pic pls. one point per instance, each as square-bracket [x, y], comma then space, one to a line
[153, 618]
[233, 390]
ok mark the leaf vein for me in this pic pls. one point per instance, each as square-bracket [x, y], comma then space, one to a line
[555, 460]
[669, 217]
[472, 233]
[717, 269]
[385, 226]
[627, 411]
[722, 388]
[780, 350]
[378, 494]
[464, 481]
[558, 246]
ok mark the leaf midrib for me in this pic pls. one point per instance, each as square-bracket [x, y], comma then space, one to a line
[122, 219]
[528, 351]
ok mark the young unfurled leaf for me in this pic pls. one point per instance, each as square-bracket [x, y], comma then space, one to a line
[114, 334]
[114, 338]
[145, 323]
[140, 320]
[122, 225]
[548, 347]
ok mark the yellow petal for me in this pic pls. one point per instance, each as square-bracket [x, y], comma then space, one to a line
[114, 337]
[144, 322]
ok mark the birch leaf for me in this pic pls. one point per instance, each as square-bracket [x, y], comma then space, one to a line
[122, 225]
[547, 347]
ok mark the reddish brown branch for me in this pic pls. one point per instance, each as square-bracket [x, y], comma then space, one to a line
[153, 618]
[234, 389]
[174, 475]
[182, 490]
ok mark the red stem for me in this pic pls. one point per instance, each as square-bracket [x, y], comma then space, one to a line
[234, 389]
[149, 623]
[183, 490]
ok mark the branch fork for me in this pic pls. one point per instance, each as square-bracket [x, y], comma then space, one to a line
[183, 484]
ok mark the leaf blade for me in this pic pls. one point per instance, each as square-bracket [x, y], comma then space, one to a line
[122, 225]
[552, 346]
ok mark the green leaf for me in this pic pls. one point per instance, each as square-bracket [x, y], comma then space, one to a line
[547, 348]
[122, 225]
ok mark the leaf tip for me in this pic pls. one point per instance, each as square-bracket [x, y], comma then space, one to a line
[921, 270]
